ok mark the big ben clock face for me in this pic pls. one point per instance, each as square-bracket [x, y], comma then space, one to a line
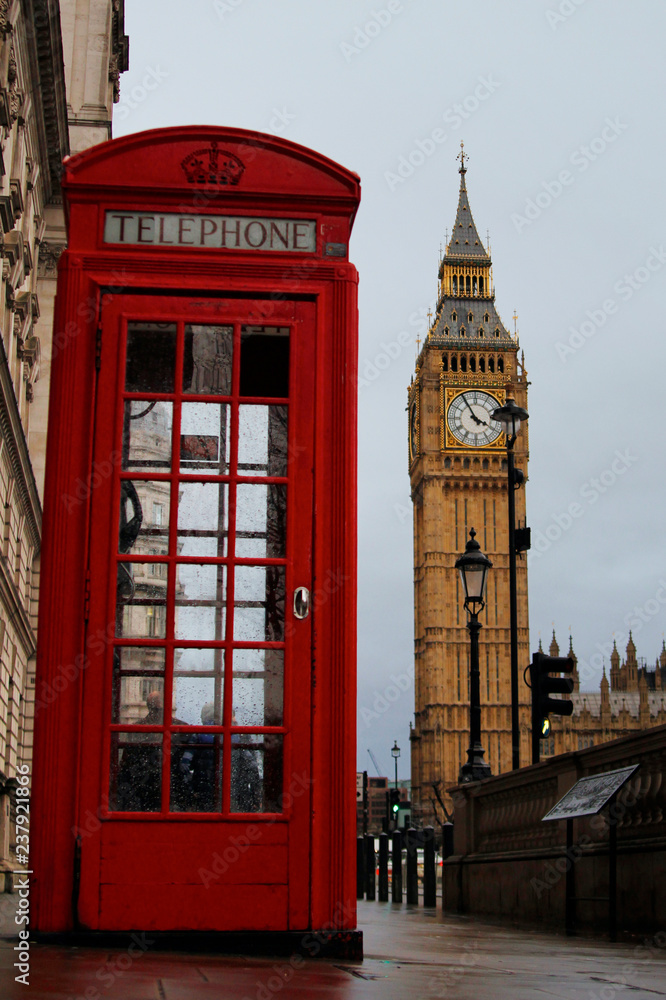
[469, 418]
[413, 432]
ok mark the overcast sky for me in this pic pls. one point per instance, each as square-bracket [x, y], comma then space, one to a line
[560, 105]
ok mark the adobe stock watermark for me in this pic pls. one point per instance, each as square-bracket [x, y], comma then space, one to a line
[366, 33]
[625, 288]
[224, 7]
[581, 158]
[563, 12]
[389, 695]
[117, 966]
[140, 92]
[455, 116]
[370, 369]
[591, 491]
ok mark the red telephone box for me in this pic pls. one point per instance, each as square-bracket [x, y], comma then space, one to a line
[195, 730]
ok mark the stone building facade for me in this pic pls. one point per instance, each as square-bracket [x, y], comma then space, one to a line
[633, 699]
[468, 366]
[59, 70]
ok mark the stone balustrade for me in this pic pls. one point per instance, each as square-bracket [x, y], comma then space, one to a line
[508, 863]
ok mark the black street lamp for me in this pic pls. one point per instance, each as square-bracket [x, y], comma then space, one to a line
[473, 566]
[395, 753]
[510, 416]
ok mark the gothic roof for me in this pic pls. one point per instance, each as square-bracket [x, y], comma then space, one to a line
[465, 241]
[619, 700]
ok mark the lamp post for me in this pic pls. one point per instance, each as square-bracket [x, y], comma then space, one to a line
[395, 753]
[473, 566]
[510, 416]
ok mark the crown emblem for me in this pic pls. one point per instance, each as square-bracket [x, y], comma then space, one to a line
[212, 166]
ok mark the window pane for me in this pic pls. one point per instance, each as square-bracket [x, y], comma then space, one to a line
[256, 773]
[261, 520]
[198, 700]
[262, 440]
[200, 601]
[138, 685]
[259, 603]
[264, 361]
[151, 357]
[136, 772]
[196, 772]
[204, 438]
[144, 517]
[258, 687]
[207, 362]
[147, 435]
[203, 519]
[140, 602]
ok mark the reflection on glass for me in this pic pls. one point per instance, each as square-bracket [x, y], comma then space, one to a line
[147, 435]
[144, 517]
[204, 438]
[200, 601]
[196, 772]
[138, 685]
[136, 772]
[264, 361]
[207, 362]
[140, 602]
[203, 519]
[258, 687]
[262, 440]
[256, 773]
[151, 357]
[259, 603]
[261, 520]
[196, 697]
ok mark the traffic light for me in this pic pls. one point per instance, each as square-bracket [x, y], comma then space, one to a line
[543, 686]
[394, 805]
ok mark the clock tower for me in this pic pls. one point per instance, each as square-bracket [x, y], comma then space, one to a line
[468, 366]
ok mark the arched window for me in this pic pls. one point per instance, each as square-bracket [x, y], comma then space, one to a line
[500, 364]
[481, 333]
[472, 363]
[445, 362]
[454, 316]
[470, 318]
[463, 363]
[481, 288]
[462, 331]
[497, 331]
[475, 286]
[468, 283]
[446, 330]
[447, 463]
[491, 365]
[485, 464]
[455, 285]
[482, 364]
[465, 463]
[454, 362]
[486, 318]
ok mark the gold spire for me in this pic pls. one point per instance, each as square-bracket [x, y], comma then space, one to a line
[462, 156]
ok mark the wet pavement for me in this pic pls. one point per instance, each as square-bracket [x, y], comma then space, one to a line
[409, 952]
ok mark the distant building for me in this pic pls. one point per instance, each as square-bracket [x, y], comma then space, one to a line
[377, 807]
[633, 699]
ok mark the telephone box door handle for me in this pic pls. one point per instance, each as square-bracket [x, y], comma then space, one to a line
[301, 602]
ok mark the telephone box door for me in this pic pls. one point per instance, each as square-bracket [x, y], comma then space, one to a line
[194, 798]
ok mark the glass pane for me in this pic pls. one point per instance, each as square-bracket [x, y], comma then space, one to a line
[138, 685]
[261, 520]
[259, 603]
[207, 361]
[256, 773]
[144, 517]
[200, 601]
[203, 519]
[147, 435]
[258, 687]
[140, 602]
[262, 440]
[264, 361]
[204, 438]
[136, 772]
[151, 357]
[198, 700]
[196, 772]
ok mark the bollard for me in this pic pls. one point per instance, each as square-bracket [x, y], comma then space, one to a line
[429, 871]
[396, 865]
[447, 840]
[369, 866]
[383, 867]
[412, 869]
[360, 868]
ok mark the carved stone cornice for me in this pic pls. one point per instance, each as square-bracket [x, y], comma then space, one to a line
[50, 93]
[11, 429]
[49, 255]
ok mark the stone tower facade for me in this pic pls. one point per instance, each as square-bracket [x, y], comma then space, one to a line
[469, 364]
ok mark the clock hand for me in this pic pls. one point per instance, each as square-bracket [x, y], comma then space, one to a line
[474, 416]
